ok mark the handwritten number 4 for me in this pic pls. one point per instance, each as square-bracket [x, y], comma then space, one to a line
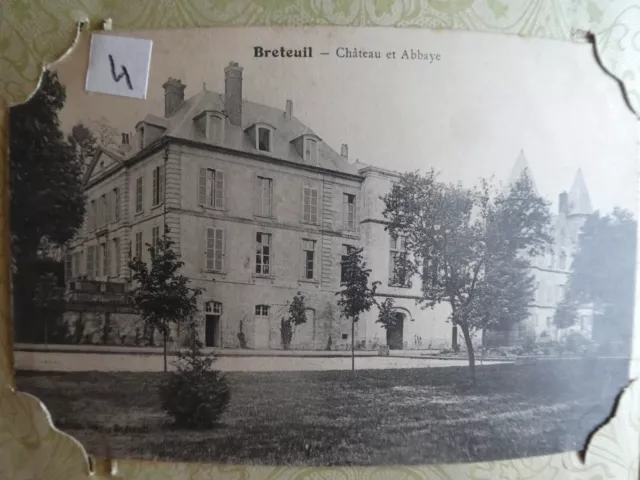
[119, 76]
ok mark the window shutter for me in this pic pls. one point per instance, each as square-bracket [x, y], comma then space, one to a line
[154, 183]
[117, 206]
[209, 249]
[345, 211]
[162, 183]
[257, 196]
[107, 260]
[306, 204]
[219, 190]
[219, 249]
[202, 187]
[314, 205]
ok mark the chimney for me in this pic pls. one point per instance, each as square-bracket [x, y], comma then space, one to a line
[344, 151]
[173, 95]
[563, 203]
[233, 93]
[288, 110]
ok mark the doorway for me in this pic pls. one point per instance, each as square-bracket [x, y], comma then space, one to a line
[212, 331]
[395, 333]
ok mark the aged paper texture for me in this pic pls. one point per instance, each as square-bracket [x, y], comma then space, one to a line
[400, 247]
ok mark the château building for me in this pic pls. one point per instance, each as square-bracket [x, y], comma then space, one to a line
[259, 208]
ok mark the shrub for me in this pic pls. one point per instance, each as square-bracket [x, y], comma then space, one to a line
[241, 338]
[195, 395]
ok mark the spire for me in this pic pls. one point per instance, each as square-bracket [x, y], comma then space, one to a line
[519, 168]
[579, 201]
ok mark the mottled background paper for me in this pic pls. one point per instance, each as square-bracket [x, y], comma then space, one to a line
[38, 32]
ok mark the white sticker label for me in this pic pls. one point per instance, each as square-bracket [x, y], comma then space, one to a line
[119, 65]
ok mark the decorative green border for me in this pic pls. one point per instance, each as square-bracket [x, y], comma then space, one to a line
[35, 33]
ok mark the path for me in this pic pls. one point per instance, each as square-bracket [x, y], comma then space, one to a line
[82, 361]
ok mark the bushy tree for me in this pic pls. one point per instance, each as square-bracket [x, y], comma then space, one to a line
[162, 295]
[387, 316]
[47, 195]
[356, 296]
[470, 247]
[297, 315]
[603, 273]
[196, 394]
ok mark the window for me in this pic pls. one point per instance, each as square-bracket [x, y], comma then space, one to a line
[157, 186]
[106, 261]
[91, 254]
[262, 310]
[562, 265]
[215, 126]
[430, 272]
[116, 257]
[308, 250]
[211, 188]
[311, 150]
[114, 204]
[397, 257]
[76, 267]
[310, 205]
[155, 234]
[91, 216]
[552, 258]
[349, 211]
[263, 139]
[213, 308]
[141, 138]
[560, 293]
[264, 196]
[263, 253]
[549, 322]
[215, 250]
[138, 194]
[102, 211]
[138, 244]
[346, 250]
[68, 267]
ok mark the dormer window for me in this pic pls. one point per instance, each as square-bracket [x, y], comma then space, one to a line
[308, 146]
[311, 150]
[263, 139]
[210, 126]
[141, 138]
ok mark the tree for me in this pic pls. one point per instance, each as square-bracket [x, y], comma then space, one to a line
[387, 316]
[356, 297]
[470, 247]
[603, 271]
[297, 316]
[196, 394]
[162, 295]
[83, 142]
[47, 195]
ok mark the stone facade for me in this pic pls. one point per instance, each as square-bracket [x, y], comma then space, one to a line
[259, 208]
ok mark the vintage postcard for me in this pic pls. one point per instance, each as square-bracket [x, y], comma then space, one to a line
[324, 246]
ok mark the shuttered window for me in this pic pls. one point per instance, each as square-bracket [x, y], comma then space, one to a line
[211, 188]
[214, 250]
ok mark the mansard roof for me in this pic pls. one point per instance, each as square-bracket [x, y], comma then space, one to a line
[181, 125]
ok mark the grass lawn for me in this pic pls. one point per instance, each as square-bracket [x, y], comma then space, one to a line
[395, 416]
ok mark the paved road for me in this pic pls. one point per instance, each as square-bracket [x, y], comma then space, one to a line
[73, 361]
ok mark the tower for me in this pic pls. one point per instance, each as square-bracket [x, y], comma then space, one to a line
[578, 207]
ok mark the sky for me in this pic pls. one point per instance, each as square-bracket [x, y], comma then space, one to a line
[468, 115]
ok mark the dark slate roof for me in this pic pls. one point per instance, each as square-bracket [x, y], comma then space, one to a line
[181, 125]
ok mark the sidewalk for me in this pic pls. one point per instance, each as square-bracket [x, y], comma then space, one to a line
[228, 352]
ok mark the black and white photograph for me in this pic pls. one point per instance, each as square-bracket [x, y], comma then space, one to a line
[369, 247]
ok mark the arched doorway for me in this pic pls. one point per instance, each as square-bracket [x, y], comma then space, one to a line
[395, 333]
